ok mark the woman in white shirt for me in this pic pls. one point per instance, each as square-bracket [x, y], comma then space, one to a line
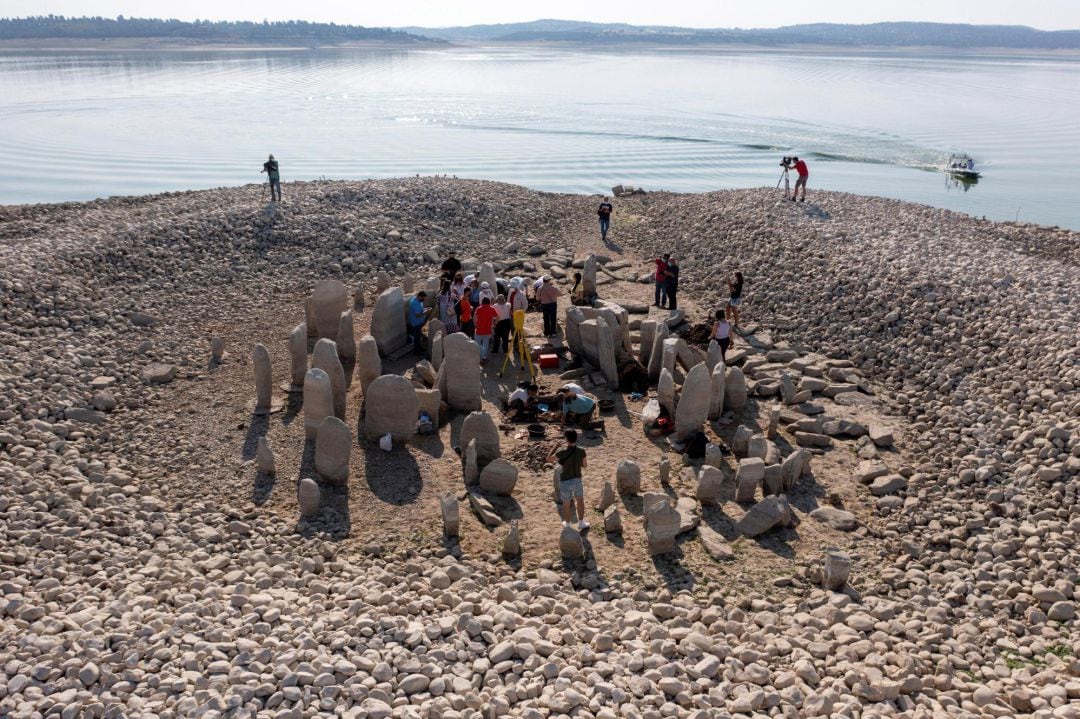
[503, 325]
[721, 332]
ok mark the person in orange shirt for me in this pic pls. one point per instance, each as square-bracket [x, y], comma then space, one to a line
[465, 316]
[484, 319]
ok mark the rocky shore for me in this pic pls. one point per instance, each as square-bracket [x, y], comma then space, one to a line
[139, 578]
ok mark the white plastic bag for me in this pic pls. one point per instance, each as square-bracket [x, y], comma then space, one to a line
[386, 442]
[650, 413]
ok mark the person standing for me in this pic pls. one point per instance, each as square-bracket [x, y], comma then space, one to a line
[661, 278]
[671, 284]
[519, 299]
[273, 176]
[735, 287]
[418, 315]
[503, 324]
[465, 314]
[573, 461]
[447, 309]
[804, 175]
[450, 266]
[548, 296]
[721, 332]
[604, 212]
[484, 321]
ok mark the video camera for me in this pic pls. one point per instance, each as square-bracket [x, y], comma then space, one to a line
[787, 162]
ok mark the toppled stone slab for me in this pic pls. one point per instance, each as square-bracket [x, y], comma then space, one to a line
[889, 484]
[159, 373]
[484, 510]
[836, 518]
[765, 515]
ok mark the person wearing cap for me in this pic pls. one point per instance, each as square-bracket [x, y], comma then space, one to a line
[517, 298]
[661, 279]
[418, 315]
[485, 291]
[270, 167]
[548, 297]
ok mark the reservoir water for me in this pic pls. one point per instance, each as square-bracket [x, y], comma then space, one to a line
[87, 124]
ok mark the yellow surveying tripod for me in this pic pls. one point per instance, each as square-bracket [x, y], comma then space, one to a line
[519, 345]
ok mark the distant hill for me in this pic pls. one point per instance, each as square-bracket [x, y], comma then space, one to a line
[885, 34]
[269, 33]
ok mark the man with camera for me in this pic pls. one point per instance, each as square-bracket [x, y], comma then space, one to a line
[270, 167]
[804, 173]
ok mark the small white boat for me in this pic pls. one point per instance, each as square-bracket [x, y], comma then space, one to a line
[961, 166]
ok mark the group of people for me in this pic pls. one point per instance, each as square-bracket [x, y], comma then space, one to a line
[667, 282]
[571, 402]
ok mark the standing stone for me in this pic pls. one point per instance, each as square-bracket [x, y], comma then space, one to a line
[734, 389]
[430, 402]
[309, 317]
[748, 478]
[661, 526]
[656, 354]
[264, 379]
[434, 327]
[774, 422]
[646, 334]
[217, 348]
[318, 401]
[388, 322]
[298, 356]
[669, 354]
[791, 470]
[391, 405]
[628, 478]
[787, 389]
[588, 276]
[665, 392]
[837, 569]
[570, 543]
[407, 285]
[346, 337]
[607, 497]
[358, 296]
[308, 496]
[613, 521]
[710, 489]
[574, 318]
[329, 300]
[382, 282]
[740, 443]
[598, 346]
[487, 274]
[325, 357]
[773, 480]
[461, 358]
[512, 543]
[499, 477]
[448, 504]
[437, 349]
[693, 409]
[758, 446]
[333, 447]
[264, 457]
[481, 427]
[665, 469]
[471, 467]
[716, 391]
[714, 456]
[368, 362]
[713, 356]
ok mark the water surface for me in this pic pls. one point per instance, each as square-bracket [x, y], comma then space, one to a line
[80, 125]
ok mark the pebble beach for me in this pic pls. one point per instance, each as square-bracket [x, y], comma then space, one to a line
[138, 578]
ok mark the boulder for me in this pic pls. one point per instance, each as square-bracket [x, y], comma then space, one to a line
[346, 337]
[570, 544]
[628, 478]
[298, 356]
[889, 484]
[881, 436]
[836, 570]
[481, 427]
[499, 477]
[748, 478]
[329, 299]
[764, 515]
[368, 362]
[715, 544]
[308, 496]
[689, 514]
[388, 322]
[461, 360]
[391, 405]
[613, 520]
[512, 544]
[693, 408]
[734, 389]
[758, 446]
[325, 357]
[333, 448]
[264, 457]
[159, 373]
[318, 400]
[809, 439]
[835, 518]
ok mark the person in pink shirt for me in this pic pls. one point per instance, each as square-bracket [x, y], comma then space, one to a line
[548, 295]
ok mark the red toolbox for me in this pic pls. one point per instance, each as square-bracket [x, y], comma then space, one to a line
[549, 361]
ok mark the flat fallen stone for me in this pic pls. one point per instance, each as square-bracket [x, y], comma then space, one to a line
[484, 510]
[159, 373]
[889, 484]
[835, 518]
[715, 544]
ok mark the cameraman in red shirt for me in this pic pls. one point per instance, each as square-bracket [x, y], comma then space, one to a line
[804, 173]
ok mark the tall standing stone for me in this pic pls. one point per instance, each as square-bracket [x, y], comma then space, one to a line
[774, 422]
[572, 330]
[333, 448]
[656, 355]
[264, 379]
[628, 478]
[436, 340]
[612, 520]
[734, 389]
[318, 400]
[430, 402]
[665, 469]
[309, 317]
[217, 348]
[693, 407]
[481, 427]
[607, 497]
[391, 405]
[710, 489]
[748, 478]
[665, 392]
[713, 356]
[298, 356]
[758, 446]
[308, 496]
[329, 300]
[461, 359]
[471, 465]
[669, 354]
[716, 391]
[325, 357]
[382, 282]
[407, 285]
[346, 337]
[388, 321]
[264, 457]
[368, 362]
[646, 335]
[358, 297]
[588, 276]
[487, 274]
[661, 525]
[448, 504]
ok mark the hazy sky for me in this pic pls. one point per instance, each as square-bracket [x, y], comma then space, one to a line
[1045, 14]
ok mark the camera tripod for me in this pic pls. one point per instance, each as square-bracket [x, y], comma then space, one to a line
[519, 345]
[787, 182]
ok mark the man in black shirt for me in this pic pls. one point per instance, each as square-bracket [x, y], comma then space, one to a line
[604, 212]
[451, 267]
[671, 284]
[270, 167]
